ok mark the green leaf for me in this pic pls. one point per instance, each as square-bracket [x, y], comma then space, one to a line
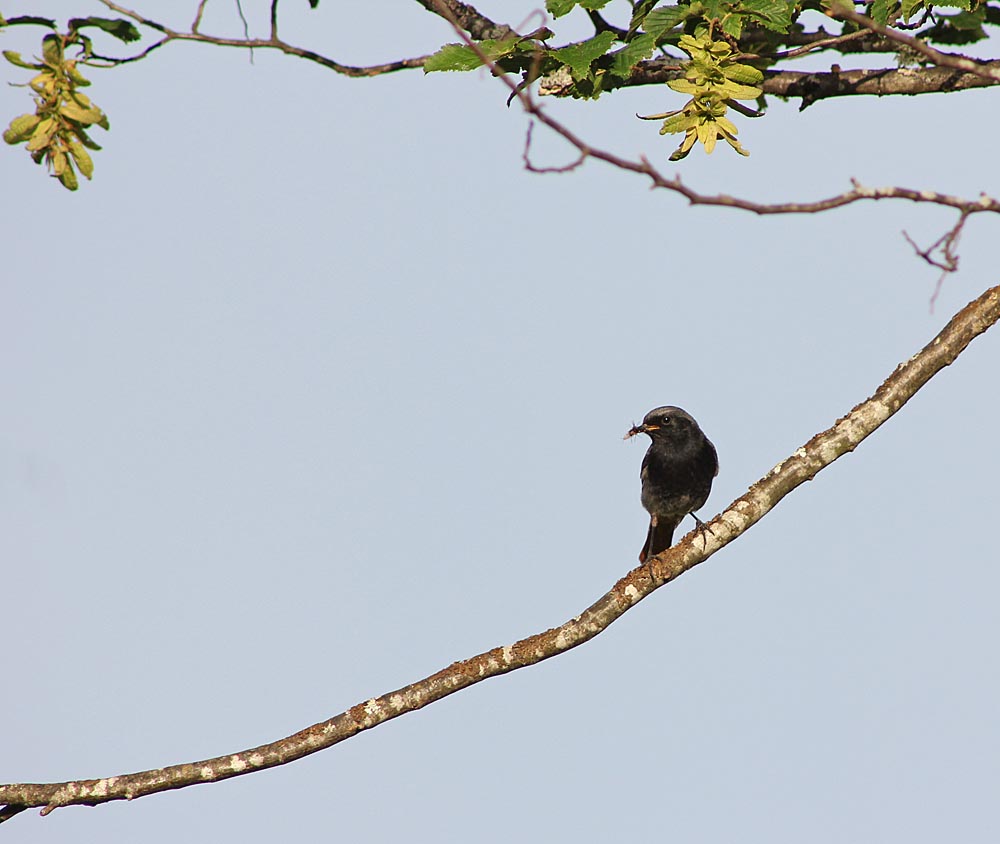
[21, 128]
[593, 5]
[968, 20]
[52, 53]
[75, 75]
[31, 20]
[881, 9]
[733, 91]
[121, 29]
[42, 136]
[908, 7]
[558, 8]
[82, 158]
[638, 49]
[68, 177]
[83, 116]
[85, 138]
[665, 18]
[678, 123]
[579, 57]
[463, 57]
[775, 15]
[743, 73]
[685, 86]
[639, 12]
[732, 25]
[15, 59]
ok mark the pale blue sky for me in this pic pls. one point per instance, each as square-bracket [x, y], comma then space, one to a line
[314, 390]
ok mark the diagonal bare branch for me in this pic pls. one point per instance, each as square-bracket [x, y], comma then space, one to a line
[801, 466]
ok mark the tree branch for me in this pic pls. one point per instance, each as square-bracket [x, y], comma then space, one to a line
[465, 16]
[813, 86]
[271, 43]
[801, 466]
[938, 58]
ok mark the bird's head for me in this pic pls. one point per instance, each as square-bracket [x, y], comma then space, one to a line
[665, 423]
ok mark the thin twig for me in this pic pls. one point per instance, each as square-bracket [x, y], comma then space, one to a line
[824, 44]
[198, 14]
[531, 168]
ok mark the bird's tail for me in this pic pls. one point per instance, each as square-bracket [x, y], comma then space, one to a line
[659, 538]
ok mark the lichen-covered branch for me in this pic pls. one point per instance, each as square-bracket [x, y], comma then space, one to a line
[813, 86]
[479, 27]
[802, 465]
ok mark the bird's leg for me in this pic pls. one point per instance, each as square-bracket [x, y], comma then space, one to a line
[648, 558]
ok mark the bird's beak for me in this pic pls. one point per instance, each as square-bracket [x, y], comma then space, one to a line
[641, 429]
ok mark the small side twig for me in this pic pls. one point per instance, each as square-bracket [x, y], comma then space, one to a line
[532, 168]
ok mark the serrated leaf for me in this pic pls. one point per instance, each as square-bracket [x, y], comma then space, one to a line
[665, 18]
[732, 25]
[908, 7]
[743, 73]
[15, 59]
[121, 29]
[775, 15]
[579, 57]
[463, 57]
[84, 162]
[624, 60]
[21, 128]
[558, 8]
[880, 11]
[639, 11]
[593, 5]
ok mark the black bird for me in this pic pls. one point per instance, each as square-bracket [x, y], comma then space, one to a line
[677, 473]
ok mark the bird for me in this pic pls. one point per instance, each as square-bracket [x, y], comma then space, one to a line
[676, 474]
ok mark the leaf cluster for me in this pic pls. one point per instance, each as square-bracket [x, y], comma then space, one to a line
[714, 79]
[57, 131]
